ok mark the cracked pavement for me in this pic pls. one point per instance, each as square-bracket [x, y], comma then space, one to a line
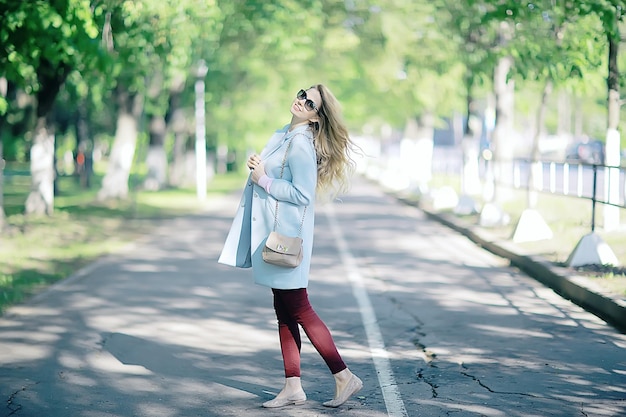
[161, 330]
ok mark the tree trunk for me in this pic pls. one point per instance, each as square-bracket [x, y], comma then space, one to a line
[613, 85]
[181, 174]
[422, 136]
[156, 159]
[534, 172]
[503, 151]
[4, 87]
[579, 115]
[41, 197]
[177, 124]
[541, 120]
[470, 178]
[564, 127]
[2, 214]
[115, 181]
[612, 150]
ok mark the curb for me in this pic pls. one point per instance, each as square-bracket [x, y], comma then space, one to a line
[611, 310]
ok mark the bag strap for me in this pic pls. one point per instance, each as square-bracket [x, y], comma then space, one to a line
[282, 169]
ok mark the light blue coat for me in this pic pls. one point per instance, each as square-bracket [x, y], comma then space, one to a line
[254, 219]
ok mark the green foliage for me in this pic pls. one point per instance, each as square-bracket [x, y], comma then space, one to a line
[45, 34]
[386, 62]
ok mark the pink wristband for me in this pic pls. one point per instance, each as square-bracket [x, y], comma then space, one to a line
[265, 182]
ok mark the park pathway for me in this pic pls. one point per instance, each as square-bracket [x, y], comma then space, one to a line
[433, 324]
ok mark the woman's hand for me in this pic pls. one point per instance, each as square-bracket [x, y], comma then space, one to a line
[253, 161]
[258, 172]
[257, 167]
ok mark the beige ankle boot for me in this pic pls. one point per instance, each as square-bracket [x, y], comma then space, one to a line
[291, 394]
[347, 384]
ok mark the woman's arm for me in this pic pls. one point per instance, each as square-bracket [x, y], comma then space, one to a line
[301, 161]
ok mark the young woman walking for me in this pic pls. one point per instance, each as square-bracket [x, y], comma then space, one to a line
[309, 156]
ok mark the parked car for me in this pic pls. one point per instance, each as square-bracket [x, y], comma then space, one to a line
[590, 152]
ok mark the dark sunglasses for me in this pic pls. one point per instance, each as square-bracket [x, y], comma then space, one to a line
[308, 103]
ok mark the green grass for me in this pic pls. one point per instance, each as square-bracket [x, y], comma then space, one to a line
[36, 251]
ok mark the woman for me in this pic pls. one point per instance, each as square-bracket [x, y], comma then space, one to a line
[312, 153]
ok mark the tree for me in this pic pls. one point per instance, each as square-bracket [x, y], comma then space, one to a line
[475, 42]
[45, 41]
[610, 14]
[128, 36]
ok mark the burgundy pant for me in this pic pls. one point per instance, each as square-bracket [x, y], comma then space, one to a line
[292, 309]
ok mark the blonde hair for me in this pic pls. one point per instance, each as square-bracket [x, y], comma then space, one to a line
[333, 146]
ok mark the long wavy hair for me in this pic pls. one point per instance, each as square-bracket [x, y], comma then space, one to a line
[333, 146]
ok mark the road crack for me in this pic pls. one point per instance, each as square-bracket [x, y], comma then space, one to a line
[482, 384]
[12, 405]
[428, 355]
[432, 384]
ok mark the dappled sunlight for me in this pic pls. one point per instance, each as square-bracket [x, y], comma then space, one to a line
[44, 336]
[171, 326]
[203, 292]
[71, 361]
[463, 296]
[17, 352]
[155, 409]
[78, 379]
[619, 343]
[157, 327]
[32, 311]
[106, 362]
[355, 352]
[504, 331]
[617, 388]
[453, 406]
[139, 385]
[86, 301]
[164, 330]
[227, 337]
[481, 328]
[149, 268]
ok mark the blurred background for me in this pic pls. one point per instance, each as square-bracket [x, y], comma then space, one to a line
[177, 91]
[117, 113]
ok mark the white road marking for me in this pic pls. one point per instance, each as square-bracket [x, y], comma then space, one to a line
[380, 357]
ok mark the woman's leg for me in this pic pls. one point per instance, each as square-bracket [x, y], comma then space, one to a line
[289, 334]
[295, 305]
[290, 344]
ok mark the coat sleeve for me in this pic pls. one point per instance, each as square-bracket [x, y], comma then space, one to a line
[300, 177]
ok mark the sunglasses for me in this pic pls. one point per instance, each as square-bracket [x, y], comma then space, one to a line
[308, 103]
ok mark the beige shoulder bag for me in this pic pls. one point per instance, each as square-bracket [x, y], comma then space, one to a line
[279, 249]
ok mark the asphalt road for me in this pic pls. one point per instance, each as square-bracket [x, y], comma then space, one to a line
[433, 324]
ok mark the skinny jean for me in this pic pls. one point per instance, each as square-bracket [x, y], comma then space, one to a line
[292, 309]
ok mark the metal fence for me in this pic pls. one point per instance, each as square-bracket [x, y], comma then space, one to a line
[601, 184]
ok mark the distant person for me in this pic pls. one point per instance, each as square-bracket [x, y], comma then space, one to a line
[317, 145]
